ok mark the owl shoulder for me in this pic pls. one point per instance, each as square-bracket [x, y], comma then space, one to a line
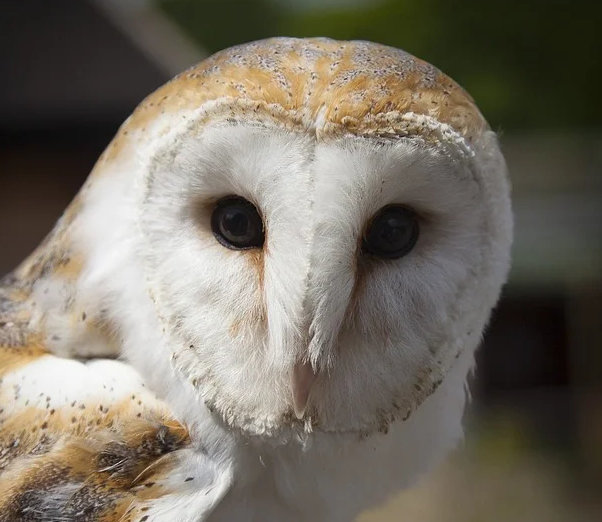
[81, 440]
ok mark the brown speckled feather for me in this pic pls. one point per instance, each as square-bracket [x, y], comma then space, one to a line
[77, 442]
[94, 450]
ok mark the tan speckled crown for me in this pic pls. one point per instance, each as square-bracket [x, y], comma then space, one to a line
[361, 87]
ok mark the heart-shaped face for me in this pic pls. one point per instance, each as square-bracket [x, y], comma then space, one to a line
[299, 235]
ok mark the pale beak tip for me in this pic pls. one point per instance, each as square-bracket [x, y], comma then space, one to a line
[302, 381]
[300, 410]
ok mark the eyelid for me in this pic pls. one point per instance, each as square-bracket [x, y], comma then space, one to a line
[233, 198]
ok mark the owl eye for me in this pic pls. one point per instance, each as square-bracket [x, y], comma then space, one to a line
[392, 232]
[236, 224]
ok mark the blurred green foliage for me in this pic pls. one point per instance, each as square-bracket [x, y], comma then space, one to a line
[528, 64]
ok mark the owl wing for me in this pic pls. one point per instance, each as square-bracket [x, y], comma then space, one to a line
[86, 441]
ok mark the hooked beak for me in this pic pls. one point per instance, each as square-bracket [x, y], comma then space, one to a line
[302, 382]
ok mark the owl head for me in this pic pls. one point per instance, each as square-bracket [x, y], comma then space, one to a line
[298, 235]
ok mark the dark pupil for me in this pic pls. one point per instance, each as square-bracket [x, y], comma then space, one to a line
[392, 233]
[235, 223]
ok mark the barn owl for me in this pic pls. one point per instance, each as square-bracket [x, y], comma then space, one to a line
[264, 303]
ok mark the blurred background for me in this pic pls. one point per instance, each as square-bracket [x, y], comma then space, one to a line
[72, 70]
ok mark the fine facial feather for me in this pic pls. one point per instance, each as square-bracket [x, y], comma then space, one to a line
[318, 135]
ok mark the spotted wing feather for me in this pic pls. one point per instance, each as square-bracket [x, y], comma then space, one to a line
[87, 442]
